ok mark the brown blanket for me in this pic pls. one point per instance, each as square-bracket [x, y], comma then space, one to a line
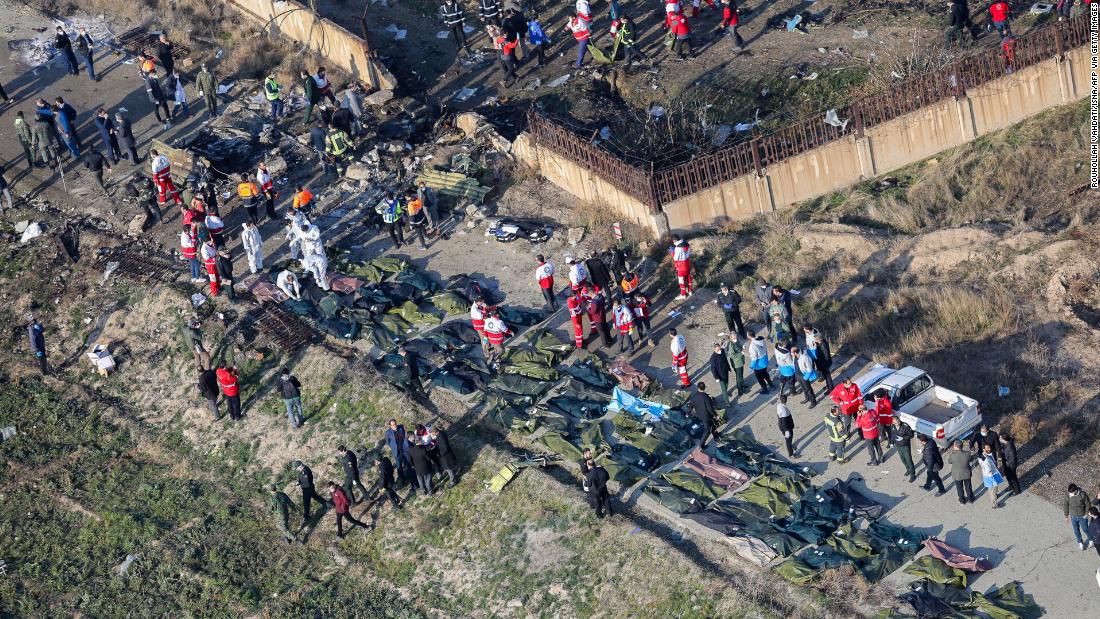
[627, 376]
[955, 557]
[344, 284]
[724, 475]
[263, 289]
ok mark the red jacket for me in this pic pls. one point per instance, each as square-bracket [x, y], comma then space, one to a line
[999, 11]
[729, 16]
[847, 398]
[885, 411]
[641, 308]
[228, 382]
[340, 500]
[678, 23]
[868, 423]
[576, 306]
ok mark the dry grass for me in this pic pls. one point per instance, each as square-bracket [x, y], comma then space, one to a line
[597, 218]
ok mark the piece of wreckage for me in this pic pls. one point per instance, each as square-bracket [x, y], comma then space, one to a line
[507, 229]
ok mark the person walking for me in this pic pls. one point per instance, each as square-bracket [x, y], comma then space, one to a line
[962, 472]
[291, 391]
[758, 362]
[85, 47]
[576, 306]
[681, 262]
[728, 25]
[249, 194]
[96, 163]
[164, 53]
[312, 95]
[702, 406]
[421, 465]
[506, 50]
[786, 425]
[158, 99]
[309, 491]
[65, 116]
[418, 219]
[192, 331]
[678, 348]
[806, 375]
[207, 86]
[720, 370]
[823, 359]
[64, 45]
[224, 263]
[838, 436]
[350, 463]
[735, 354]
[395, 440]
[784, 362]
[126, 140]
[848, 397]
[267, 189]
[867, 420]
[544, 275]
[599, 275]
[1075, 508]
[386, 480]
[253, 245]
[537, 37]
[998, 17]
[343, 509]
[677, 24]
[1009, 462]
[428, 197]
[42, 141]
[280, 505]
[208, 387]
[338, 149]
[318, 139]
[36, 338]
[108, 134]
[730, 302]
[496, 331]
[991, 477]
[640, 304]
[580, 29]
[623, 316]
[902, 440]
[179, 95]
[229, 383]
[390, 210]
[596, 481]
[958, 19]
[933, 463]
[445, 454]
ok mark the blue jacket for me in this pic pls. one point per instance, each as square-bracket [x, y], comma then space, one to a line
[65, 117]
[396, 442]
[105, 126]
[535, 33]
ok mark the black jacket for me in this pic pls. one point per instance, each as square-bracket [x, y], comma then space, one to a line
[786, 424]
[597, 479]
[702, 405]
[732, 299]
[931, 456]
[62, 42]
[94, 160]
[290, 387]
[597, 270]
[719, 367]
[978, 443]
[960, 14]
[305, 478]
[225, 267]
[164, 54]
[824, 358]
[412, 370]
[443, 445]
[1008, 454]
[125, 133]
[350, 462]
[616, 259]
[83, 44]
[903, 436]
[156, 93]
[208, 384]
[385, 472]
[420, 461]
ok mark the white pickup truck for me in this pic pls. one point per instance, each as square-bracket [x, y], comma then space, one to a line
[921, 404]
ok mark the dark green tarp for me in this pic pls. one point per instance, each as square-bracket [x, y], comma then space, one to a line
[936, 570]
[389, 264]
[796, 571]
[555, 442]
[520, 317]
[811, 531]
[625, 453]
[413, 315]
[955, 596]
[1009, 602]
[621, 472]
[450, 303]
[783, 543]
[591, 373]
[545, 341]
[591, 436]
[540, 417]
[529, 369]
[723, 523]
[340, 328]
[673, 398]
[851, 542]
[882, 564]
[330, 305]
[420, 281]
[580, 408]
[883, 534]
[823, 558]
[675, 499]
[775, 502]
[514, 383]
[744, 511]
[787, 484]
[695, 483]
[300, 308]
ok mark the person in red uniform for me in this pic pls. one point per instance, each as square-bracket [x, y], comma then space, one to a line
[478, 312]
[576, 306]
[848, 398]
[681, 259]
[867, 420]
[544, 274]
[495, 332]
[640, 304]
[209, 253]
[678, 348]
[998, 14]
[677, 23]
[624, 320]
[343, 509]
[597, 314]
[729, 22]
[190, 252]
[885, 410]
[228, 382]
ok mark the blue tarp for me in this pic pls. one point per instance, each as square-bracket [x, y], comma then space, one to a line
[622, 400]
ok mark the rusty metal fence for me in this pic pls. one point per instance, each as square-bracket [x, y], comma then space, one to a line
[657, 186]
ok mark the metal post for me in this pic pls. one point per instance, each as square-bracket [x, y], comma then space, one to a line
[754, 145]
[1059, 43]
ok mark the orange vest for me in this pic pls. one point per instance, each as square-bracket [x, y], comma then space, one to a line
[302, 198]
[247, 190]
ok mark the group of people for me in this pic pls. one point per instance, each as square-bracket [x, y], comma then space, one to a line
[414, 459]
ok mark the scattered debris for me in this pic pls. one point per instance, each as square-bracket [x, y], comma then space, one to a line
[121, 568]
[507, 230]
[721, 134]
[8, 432]
[558, 81]
[832, 119]
[656, 111]
[574, 236]
[454, 184]
[110, 268]
[102, 360]
[197, 299]
[465, 94]
[442, 34]
[31, 231]
[859, 34]
[793, 22]
[1041, 8]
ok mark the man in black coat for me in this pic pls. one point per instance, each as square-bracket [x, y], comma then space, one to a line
[224, 264]
[386, 479]
[422, 464]
[95, 162]
[616, 259]
[596, 480]
[729, 301]
[702, 406]
[126, 140]
[933, 462]
[902, 440]
[65, 45]
[412, 372]
[445, 456]
[824, 362]
[208, 387]
[598, 274]
[309, 490]
[959, 18]
[985, 436]
[350, 462]
[1009, 462]
[720, 370]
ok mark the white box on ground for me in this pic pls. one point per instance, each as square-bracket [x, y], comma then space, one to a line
[101, 359]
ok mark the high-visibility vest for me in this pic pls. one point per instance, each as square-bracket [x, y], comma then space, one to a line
[187, 245]
[228, 382]
[302, 198]
[339, 142]
[148, 66]
[545, 275]
[271, 89]
[624, 319]
[495, 330]
[248, 191]
[836, 429]
[629, 285]
[678, 347]
[390, 210]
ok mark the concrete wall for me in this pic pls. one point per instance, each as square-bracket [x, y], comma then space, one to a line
[842, 163]
[584, 184]
[339, 46]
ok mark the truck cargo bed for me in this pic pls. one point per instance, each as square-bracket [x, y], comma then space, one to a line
[937, 411]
